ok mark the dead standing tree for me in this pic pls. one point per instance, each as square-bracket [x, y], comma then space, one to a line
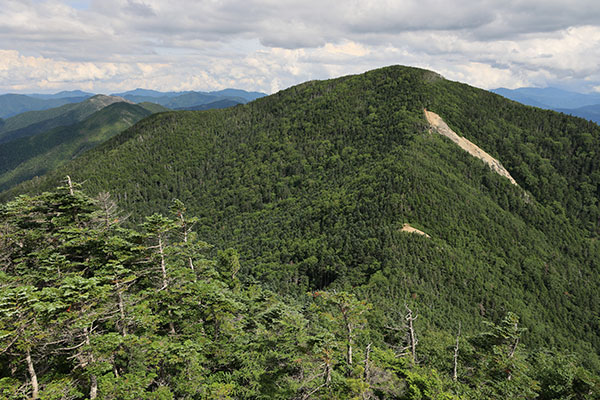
[412, 337]
[455, 371]
[411, 340]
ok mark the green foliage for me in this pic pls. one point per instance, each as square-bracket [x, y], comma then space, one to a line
[41, 152]
[103, 311]
[312, 187]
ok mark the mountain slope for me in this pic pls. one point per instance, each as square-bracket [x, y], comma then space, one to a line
[34, 122]
[315, 184]
[215, 105]
[25, 158]
[13, 104]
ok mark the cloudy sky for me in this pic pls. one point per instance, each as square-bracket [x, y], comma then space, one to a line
[108, 46]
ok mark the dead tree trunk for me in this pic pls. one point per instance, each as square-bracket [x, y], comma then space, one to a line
[410, 319]
[185, 237]
[70, 183]
[91, 360]
[165, 282]
[455, 372]
[368, 364]
[350, 336]
[35, 389]
[122, 311]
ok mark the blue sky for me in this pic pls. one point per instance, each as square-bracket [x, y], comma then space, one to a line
[80, 4]
[115, 45]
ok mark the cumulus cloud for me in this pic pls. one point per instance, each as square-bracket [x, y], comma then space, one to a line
[113, 45]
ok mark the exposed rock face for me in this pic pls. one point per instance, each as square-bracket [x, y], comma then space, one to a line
[440, 127]
[409, 229]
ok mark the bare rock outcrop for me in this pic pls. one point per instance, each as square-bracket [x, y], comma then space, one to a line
[442, 128]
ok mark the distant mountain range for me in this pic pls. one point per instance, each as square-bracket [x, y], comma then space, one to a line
[24, 158]
[33, 122]
[13, 104]
[43, 131]
[584, 105]
[35, 142]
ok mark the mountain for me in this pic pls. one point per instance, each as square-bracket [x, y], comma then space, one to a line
[215, 105]
[62, 95]
[35, 155]
[591, 113]
[379, 194]
[189, 99]
[147, 93]
[549, 98]
[153, 107]
[236, 93]
[13, 104]
[33, 122]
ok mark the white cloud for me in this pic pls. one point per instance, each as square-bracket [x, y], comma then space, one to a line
[112, 45]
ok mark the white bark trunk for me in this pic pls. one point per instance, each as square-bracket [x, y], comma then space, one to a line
[122, 312]
[163, 268]
[35, 389]
[93, 379]
[455, 371]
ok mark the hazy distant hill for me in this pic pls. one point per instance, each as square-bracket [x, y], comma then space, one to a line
[219, 104]
[549, 98]
[577, 104]
[63, 95]
[34, 122]
[248, 96]
[13, 104]
[591, 113]
[189, 99]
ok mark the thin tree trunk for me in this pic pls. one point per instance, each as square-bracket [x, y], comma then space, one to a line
[163, 268]
[349, 337]
[93, 379]
[368, 364]
[122, 311]
[70, 183]
[185, 238]
[455, 372]
[93, 387]
[413, 337]
[35, 389]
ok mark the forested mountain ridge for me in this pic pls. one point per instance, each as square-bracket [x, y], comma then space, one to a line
[35, 155]
[314, 185]
[34, 122]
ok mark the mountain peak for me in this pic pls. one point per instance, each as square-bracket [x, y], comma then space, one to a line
[101, 100]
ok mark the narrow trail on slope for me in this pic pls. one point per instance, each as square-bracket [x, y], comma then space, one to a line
[442, 128]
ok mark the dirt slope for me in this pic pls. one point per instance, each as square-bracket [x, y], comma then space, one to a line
[440, 127]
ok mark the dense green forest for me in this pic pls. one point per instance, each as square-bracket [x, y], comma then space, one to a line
[24, 158]
[91, 309]
[35, 122]
[312, 187]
